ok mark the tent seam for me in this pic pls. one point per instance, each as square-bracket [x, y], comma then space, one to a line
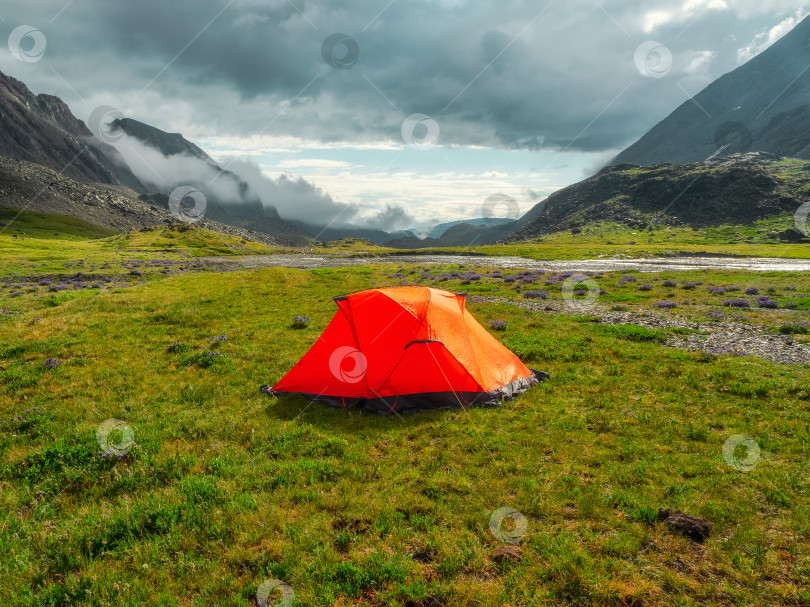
[350, 320]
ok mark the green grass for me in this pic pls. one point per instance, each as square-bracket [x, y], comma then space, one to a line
[226, 487]
[38, 250]
[45, 226]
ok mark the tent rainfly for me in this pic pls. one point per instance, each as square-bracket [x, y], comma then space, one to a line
[403, 349]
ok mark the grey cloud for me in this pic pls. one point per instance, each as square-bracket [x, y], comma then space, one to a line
[165, 173]
[296, 198]
[565, 79]
[389, 218]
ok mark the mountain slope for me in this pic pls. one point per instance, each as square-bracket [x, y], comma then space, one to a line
[42, 129]
[35, 188]
[168, 143]
[736, 191]
[763, 105]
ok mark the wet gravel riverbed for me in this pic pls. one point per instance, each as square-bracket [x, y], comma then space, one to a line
[303, 261]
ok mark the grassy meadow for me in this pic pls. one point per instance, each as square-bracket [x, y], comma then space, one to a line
[225, 488]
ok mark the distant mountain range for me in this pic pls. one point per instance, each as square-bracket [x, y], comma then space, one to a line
[717, 159]
[762, 106]
[460, 234]
[338, 232]
[488, 222]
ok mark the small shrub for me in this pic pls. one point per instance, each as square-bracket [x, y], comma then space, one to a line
[798, 328]
[300, 322]
[177, 347]
[498, 325]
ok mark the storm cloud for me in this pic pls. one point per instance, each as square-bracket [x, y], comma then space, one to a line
[513, 74]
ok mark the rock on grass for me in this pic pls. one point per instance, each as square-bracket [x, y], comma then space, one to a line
[506, 553]
[693, 527]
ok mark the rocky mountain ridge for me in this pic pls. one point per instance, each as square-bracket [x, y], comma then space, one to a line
[739, 190]
[762, 106]
[42, 129]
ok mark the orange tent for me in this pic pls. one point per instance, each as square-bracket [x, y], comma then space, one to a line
[405, 348]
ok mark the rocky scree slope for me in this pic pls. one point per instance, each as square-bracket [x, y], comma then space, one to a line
[32, 187]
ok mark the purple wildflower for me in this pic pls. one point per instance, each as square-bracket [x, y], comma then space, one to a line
[498, 325]
[177, 347]
[52, 363]
[535, 294]
[670, 283]
[645, 287]
[667, 305]
[751, 291]
[300, 322]
[627, 278]
[737, 303]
